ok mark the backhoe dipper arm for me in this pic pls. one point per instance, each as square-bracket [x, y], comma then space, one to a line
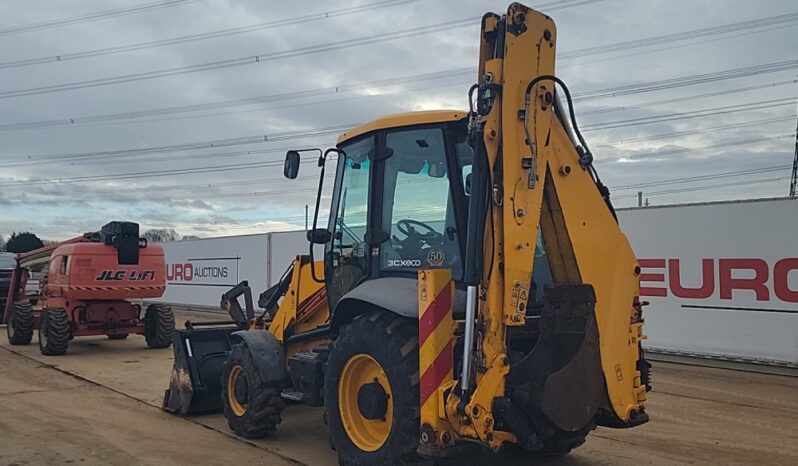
[531, 175]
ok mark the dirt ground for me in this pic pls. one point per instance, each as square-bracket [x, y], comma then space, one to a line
[99, 404]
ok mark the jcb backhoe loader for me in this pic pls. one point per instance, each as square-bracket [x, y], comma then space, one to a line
[481, 290]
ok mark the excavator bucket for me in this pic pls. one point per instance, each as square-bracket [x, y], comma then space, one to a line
[194, 386]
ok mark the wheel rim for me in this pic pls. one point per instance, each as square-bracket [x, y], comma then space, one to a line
[236, 383]
[360, 371]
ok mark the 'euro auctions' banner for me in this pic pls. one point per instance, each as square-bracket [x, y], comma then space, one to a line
[204, 271]
[722, 278]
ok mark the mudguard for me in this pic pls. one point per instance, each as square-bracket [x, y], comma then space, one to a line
[394, 294]
[267, 353]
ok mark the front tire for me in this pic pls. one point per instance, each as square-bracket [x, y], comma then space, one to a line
[54, 332]
[371, 391]
[251, 405]
[159, 323]
[20, 324]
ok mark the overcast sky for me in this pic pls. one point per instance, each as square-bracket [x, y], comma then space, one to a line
[53, 134]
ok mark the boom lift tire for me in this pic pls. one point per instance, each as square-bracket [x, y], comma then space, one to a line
[117, 336]
[159, 323]
[251, 405]
[371, 390]
[20, 324]
[54, 332]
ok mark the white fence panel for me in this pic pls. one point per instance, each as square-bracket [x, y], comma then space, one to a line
[722, 278]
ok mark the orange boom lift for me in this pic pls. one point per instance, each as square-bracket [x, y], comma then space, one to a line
[85, 285]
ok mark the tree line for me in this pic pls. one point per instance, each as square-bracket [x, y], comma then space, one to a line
[25, 241]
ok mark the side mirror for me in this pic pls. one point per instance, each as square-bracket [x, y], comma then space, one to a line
[468, 184]
[291, 167]
[319, 236]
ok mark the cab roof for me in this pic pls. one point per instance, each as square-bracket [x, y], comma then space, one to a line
[403, 119]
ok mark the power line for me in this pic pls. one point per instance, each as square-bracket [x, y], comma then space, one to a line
[694, 149]
[193, 157]
[187, 146]
[279, 162]
[760, 105]
[691, 179]
[244, 140]
[234, 62]
[204, 36]
[444, 85]
[670, 83]
[657, 49]
[27, 160]
[691, 97]
[687, 35]
[794, 177]
[703, 188]
[683, 133]
[147, 174]
[590, 51]
[94, 16]
[313, 49]
[283, 96]
[703, 78]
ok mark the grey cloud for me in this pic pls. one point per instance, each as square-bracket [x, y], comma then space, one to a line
[198, 209]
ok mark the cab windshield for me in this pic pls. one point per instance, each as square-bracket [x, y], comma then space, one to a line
[418, 212]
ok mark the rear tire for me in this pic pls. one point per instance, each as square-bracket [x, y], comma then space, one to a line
[20, 324]
[560, 444]
[252, 407]
[54, 332]
[117, 336]
[563, 442]
[159, 323]
[372, 380]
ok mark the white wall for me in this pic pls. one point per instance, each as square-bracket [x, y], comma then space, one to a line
[214, 265]
[200, 270]
[745, 324]
[756, 318]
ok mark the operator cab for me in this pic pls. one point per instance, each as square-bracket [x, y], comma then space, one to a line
[400, 202]
[413, 214]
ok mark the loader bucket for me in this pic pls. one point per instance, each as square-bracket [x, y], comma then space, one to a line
[195, 386]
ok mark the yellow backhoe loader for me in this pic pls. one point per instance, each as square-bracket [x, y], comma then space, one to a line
[481, 290]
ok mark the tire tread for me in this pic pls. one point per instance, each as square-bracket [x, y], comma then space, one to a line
[21, 319]
[59, 331]
[264, 409]
[159, 323]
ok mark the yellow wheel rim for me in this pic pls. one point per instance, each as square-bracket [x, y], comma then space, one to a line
[233, 379]
[366, 434]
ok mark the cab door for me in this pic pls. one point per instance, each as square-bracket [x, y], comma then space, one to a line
[347, 254]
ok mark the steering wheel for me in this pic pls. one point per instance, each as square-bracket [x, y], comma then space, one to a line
[407, 228]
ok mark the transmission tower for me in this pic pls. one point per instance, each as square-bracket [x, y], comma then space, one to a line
[794, 179]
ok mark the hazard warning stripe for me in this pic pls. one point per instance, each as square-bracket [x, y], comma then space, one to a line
[114, 288]
[436, 373]
[434, 314]
[435, 335]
